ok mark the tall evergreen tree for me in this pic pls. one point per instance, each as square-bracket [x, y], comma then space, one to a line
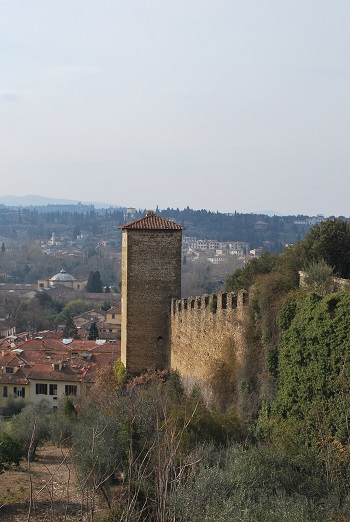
[94, 284]
[93, 332]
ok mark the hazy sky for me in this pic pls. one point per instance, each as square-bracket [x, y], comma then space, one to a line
[218, 104]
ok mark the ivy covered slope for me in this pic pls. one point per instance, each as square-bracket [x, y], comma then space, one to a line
[298, 339]
[314, 364]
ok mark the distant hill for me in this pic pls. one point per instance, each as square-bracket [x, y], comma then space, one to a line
[35, 200]
[270, 213]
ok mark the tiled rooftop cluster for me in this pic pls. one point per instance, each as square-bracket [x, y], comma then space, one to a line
[50, 360]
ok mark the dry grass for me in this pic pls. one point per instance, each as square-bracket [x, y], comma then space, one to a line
[52, 484]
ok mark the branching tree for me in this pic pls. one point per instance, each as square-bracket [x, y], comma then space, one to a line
[99, 451]
[33, 419]
[70, 330]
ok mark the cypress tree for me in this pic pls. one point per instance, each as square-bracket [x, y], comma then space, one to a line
[93, 332]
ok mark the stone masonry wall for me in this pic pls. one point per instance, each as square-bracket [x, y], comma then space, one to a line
[200, 334]
[151, 276]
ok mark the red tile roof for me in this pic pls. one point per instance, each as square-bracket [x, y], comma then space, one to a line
[19, 377]
[42, 344]
[95, 347]
[115, 309]
[152, 222]
[44, 372]
[34, 363]
[49, 334]
[107, 349]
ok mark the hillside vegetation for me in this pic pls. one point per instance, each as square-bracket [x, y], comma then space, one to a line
[277, 451]
[295, 387]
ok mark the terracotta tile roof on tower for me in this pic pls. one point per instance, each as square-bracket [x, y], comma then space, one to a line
[152, 222]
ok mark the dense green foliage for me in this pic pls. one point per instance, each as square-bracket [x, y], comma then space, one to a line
[75, 307]
[44, 312]
[243, 278]
[293, 385]
[11, 451]
[94, 284]
[93, 332]
[327, 243]
[314, 365]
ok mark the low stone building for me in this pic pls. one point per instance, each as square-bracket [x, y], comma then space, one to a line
[63, 278]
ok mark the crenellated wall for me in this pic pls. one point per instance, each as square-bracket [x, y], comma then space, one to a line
[202, 328]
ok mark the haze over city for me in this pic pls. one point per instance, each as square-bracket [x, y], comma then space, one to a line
[228, 105]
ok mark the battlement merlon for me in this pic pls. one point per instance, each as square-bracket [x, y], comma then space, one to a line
[211, 302]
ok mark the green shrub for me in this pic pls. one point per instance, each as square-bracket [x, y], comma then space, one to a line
[11, 451]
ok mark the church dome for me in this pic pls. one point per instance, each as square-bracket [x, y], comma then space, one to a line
[62, 276]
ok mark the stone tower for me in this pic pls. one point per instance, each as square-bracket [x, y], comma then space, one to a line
[151, 277]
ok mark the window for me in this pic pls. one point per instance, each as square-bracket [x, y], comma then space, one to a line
[70, 389]
[56, 367]
[41, 389]
[52, 389]
[19, 392]
[113, 316]
[9, 369]
[41, 285]
[4, 391]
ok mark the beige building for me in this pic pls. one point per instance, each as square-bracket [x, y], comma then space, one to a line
[114, 315]
[111, 327]
[7, 329]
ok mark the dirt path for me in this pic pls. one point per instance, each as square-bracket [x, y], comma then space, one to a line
[53, 488]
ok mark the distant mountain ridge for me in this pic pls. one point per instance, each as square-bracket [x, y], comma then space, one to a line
[35, 200]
